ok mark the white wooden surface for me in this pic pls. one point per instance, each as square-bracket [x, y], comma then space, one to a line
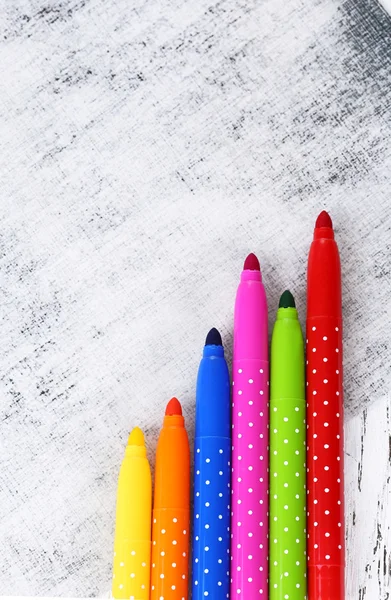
[146, 147]
[368, 503]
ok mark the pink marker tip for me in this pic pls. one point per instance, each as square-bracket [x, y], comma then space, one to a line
[251, 263]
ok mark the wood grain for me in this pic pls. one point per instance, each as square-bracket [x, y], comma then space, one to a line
[368, 503]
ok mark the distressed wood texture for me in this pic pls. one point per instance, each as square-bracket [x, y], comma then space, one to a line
[368, 503]
[146, 147]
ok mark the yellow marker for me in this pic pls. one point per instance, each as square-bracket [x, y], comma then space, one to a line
[132, 545]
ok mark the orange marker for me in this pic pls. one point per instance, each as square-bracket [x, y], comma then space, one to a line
[171, 511]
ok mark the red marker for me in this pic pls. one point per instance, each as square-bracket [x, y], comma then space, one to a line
[325, 521]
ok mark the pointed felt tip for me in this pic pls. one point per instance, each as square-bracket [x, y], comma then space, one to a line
[287, 300]
[323, 220]
[173, 408]
[251, 263]
[136, 437]
[213, 338]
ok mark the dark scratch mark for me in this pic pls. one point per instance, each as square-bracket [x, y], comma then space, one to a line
[360, 463]
[27, 25]
[379, 536]
[362, 592]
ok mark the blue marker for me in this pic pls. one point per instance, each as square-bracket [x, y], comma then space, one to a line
[212, 475]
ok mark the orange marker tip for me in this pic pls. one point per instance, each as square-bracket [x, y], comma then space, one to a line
[173, 407]
[136, 437]
[324, 220]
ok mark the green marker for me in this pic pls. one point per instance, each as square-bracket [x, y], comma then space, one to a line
[287, 539]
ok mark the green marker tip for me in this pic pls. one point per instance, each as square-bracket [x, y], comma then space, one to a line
[287, 300]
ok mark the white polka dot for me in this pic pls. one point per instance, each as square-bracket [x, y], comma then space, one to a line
[163, 531]
[326, 424]
[327, 557]
[251, 424]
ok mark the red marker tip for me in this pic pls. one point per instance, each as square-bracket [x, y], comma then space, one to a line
[251, 263]
[323, 220]
[173, 408]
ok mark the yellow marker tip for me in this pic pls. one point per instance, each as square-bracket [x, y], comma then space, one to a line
[136, 437]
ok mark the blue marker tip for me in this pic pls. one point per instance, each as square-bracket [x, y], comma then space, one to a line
[213, 338]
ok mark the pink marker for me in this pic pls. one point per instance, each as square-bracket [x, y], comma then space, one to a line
[250, 418]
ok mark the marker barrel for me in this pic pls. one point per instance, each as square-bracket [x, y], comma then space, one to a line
[132, 545]
[250, 418]
[212, 494]
[326, 535]
[171, 513]
[288, 562]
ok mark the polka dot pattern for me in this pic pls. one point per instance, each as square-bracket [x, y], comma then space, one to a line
[325, 447]
[131, 570]
[211, 519]
[249, 523]
[170, 550]
[287, 500]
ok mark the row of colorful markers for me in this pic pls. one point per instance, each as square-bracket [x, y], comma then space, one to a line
[268, 472]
